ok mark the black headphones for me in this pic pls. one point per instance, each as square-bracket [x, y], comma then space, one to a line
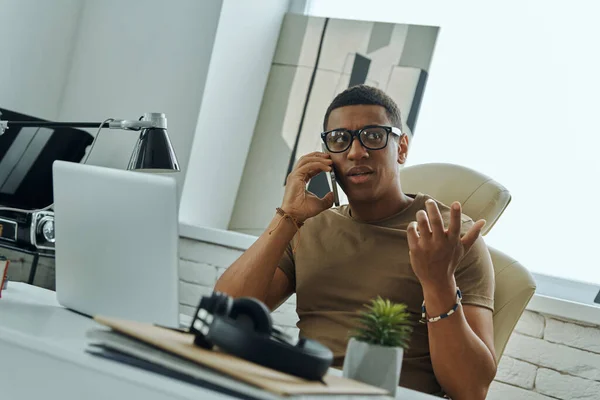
[243, 327]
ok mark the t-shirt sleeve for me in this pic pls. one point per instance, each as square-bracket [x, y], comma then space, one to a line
[287, 265]
[475, 276]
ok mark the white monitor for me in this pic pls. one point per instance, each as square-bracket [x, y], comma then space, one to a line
[116, 243]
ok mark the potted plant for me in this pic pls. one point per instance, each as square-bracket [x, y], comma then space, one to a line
[376, 347]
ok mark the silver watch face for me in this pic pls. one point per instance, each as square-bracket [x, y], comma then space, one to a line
[48, 231]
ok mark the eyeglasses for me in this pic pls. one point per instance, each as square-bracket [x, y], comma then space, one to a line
[372, 137]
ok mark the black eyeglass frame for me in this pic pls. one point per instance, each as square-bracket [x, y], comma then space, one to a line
[356, 134]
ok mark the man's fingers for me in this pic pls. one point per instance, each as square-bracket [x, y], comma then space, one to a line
[310, 160]
[412, 235]
[455, 221]
[435, 219]
[423, 225]
[471, 236]
[312, 157]
[315, 154]
[310, 170]
[327, 200]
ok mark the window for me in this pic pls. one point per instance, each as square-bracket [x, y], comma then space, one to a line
[513, 93]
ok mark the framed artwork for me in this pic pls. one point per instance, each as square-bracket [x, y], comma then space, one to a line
[315, 59]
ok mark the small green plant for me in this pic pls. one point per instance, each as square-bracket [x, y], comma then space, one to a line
[384, 323]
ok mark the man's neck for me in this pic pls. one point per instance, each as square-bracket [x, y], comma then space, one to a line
[382, 208]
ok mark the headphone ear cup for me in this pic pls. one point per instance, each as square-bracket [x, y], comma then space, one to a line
[251, 314]
[222, 304]
[214, 306]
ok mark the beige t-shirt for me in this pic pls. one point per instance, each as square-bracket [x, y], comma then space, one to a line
[341, 264]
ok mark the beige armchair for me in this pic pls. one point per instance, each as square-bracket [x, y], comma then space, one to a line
[481, 197]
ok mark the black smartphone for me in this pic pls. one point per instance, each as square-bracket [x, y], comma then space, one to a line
[332, 179]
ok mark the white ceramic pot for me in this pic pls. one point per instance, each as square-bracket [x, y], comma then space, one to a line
[374, 365]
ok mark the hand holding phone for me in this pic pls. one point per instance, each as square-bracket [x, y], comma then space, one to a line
[299, 202]
[336, 198]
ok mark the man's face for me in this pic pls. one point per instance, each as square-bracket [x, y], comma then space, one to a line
[366, 175]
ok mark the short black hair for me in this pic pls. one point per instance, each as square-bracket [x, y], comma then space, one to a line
[365, 95]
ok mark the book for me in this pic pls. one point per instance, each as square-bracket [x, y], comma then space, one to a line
[172, 353]
[3, 273]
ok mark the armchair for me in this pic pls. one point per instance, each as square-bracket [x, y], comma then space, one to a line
[481, 197]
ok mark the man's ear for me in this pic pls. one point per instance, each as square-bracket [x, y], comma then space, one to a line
[402, 148]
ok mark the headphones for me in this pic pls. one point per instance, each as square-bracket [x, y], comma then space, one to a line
[243, 327]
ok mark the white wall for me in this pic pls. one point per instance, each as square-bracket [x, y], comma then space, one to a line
[240, 63]
[139, 56]
[88, 60]
[36, 41]
[513, 93]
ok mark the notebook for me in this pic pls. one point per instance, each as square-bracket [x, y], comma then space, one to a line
[173, 353]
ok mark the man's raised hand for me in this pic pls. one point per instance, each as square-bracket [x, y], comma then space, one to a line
[435, 251]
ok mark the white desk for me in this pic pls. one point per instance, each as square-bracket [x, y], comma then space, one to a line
[42, 353]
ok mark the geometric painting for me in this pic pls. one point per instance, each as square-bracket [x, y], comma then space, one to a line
[315, 59]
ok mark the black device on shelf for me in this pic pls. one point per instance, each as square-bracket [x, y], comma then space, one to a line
[28, 148]
[26, 158]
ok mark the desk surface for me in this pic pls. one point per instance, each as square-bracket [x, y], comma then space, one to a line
[43, 351]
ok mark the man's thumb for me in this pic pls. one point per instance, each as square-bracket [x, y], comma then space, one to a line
[473, 234]
[327, 200]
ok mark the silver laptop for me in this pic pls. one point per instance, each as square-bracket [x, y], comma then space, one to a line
[116, 243]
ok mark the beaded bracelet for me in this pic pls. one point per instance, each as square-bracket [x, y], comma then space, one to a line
[424, 318]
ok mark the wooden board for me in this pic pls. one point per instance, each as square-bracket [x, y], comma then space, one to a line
[182, 345]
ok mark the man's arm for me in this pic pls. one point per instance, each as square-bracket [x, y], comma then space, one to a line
[255, 273]
[280, 290]
[461, 346]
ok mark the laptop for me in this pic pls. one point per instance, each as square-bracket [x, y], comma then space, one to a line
[116, 243]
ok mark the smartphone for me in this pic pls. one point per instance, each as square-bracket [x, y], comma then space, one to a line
[336, 198]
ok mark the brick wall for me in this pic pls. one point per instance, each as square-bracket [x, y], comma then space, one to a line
[201, 264]
[546, 358]
[550, 358]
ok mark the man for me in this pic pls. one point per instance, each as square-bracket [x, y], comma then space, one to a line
[408, 248]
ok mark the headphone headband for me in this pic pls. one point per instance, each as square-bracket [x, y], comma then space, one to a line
[243, 327]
